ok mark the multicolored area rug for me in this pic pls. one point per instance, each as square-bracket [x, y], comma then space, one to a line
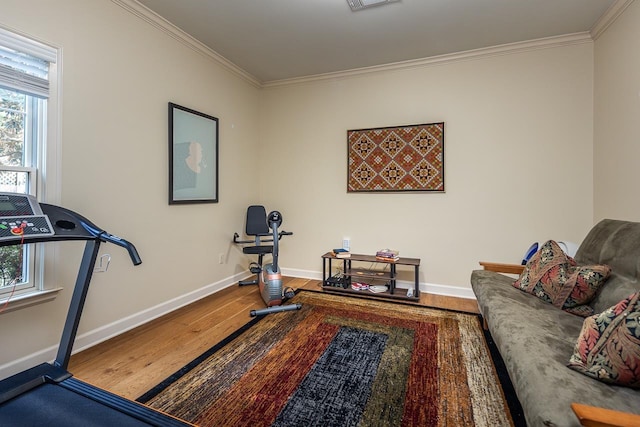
[343, 361]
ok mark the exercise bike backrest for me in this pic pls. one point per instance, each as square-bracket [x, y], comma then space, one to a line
[274, 236]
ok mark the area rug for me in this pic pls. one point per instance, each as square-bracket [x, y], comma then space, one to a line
[342, 361]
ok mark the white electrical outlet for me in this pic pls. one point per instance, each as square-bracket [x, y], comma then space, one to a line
[221, 258]
[346, 243]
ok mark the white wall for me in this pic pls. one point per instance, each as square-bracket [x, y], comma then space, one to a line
[617, 119]
[518, 156]
[119, 73]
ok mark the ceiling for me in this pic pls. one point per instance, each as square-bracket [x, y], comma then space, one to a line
[275, 40]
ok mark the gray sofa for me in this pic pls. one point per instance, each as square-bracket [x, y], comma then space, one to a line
[536, 339]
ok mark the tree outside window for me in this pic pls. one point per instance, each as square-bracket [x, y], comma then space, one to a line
[13, 120]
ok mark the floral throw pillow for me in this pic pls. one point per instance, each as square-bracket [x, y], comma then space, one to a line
[555, 277]
[580, 310]
[608, 348]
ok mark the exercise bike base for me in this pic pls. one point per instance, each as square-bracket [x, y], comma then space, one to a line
[247, 282]
[275, 309]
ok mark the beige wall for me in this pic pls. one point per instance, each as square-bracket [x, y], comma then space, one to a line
[617, 119]
[518, 161]
[518, 155]
[119, 73]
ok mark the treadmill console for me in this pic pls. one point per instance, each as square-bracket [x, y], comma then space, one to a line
[21, 216]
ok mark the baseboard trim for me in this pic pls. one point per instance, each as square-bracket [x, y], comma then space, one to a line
[98, 335]
[432, 288]
[116, 328]
[28, 361]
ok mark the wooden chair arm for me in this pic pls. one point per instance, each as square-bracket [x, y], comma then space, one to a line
[502, 268]
[591, 416]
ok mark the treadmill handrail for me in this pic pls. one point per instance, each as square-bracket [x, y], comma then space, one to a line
[70, 225]
[97, 232]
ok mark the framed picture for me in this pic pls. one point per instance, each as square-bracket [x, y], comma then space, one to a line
[399, 158]
[193, 156]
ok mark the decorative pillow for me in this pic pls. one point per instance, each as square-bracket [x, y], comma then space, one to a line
[586, 281]
[608, 348]
[554, 277]
[580, 310]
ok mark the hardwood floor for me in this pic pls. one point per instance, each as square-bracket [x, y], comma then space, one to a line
[132, 363]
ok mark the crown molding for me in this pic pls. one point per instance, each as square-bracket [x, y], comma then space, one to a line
[609, 17]
[505, 49]
[150, 17]
[176, 33]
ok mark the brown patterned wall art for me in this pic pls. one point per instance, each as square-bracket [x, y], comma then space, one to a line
[401, 158]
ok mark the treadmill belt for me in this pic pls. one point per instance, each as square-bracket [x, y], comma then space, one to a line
[52, 406]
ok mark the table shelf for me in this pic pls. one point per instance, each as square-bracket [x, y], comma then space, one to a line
[359, 273]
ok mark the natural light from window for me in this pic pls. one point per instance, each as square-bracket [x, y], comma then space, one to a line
[25, 67]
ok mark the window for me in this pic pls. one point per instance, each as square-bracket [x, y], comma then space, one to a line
[26, 71]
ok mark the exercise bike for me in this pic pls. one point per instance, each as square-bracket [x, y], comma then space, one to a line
[269, 277]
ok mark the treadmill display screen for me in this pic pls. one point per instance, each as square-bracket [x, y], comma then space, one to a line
[6, 206]
[12, 204]
[21, 217]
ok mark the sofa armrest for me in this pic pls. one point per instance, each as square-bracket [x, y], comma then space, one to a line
[502, 268]
[591, 416]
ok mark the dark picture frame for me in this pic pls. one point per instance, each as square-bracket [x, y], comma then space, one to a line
[396, 159]
[193, 156]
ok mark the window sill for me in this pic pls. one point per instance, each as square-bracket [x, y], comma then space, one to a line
[26, 300]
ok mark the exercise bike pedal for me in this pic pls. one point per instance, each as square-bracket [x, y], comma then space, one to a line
[255, 268]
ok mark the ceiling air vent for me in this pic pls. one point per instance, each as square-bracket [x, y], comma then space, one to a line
[363, 4]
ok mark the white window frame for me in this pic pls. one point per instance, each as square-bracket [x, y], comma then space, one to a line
[46, 185]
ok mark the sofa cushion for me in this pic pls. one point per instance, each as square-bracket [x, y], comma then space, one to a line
[536, 340]
[555, 277]
[614, 243]
[608, 348]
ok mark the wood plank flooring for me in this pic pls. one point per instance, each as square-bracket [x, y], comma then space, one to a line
[132, 363]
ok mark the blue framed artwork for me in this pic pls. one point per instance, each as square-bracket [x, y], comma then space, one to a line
[193, 156]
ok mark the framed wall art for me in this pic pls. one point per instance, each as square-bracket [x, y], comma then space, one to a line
[399, 158]
[193, 156]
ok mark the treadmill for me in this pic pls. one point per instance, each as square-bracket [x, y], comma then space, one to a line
[47, 394]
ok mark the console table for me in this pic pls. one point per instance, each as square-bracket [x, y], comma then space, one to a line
[358, 272]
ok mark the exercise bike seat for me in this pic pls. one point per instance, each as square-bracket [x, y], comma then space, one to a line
[258, 250]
